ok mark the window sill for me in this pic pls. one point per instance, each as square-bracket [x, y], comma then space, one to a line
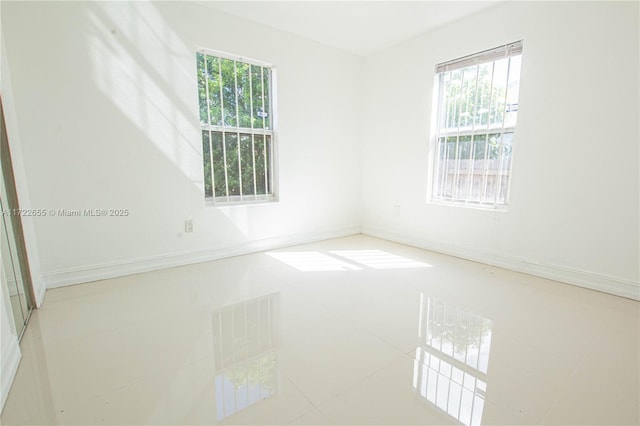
[473, 206]
[210, 203]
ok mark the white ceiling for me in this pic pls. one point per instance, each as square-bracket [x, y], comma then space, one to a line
[359, 27]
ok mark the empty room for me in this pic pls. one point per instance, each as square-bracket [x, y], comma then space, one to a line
[320, 212]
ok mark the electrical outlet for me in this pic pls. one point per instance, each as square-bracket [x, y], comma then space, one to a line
[188, 225]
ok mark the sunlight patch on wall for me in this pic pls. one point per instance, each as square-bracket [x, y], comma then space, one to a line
[379, 259]
[138, 64]
[239, 216]
[312, 261]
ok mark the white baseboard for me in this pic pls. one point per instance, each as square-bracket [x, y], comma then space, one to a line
[67, 277]
[10, 361]
[606, 284]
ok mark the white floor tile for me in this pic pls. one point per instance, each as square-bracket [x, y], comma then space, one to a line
[349, 331]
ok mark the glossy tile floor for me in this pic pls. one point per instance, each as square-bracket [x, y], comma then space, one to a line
[348, 331]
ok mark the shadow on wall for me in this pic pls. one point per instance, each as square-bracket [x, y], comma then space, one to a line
[144, 69]
[131, 131]
[138, 64]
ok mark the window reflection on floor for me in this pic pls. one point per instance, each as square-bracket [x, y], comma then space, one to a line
[245, 339]
[451, 362]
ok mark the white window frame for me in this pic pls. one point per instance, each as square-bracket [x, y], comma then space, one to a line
[271, 173]
[438, 131]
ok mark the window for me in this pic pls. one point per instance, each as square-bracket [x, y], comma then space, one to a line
[477, 100]
[237, 120]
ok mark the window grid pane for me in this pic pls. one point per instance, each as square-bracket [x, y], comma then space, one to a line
[237, 131]
[477, 110]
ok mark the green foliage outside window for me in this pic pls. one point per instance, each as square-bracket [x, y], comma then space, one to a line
[234, 99]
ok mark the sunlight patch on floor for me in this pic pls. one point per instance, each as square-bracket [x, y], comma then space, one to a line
[379, 259]
[312, 261]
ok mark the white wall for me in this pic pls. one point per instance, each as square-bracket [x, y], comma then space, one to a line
[106, 107]
[105, 97]
[574, 206]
